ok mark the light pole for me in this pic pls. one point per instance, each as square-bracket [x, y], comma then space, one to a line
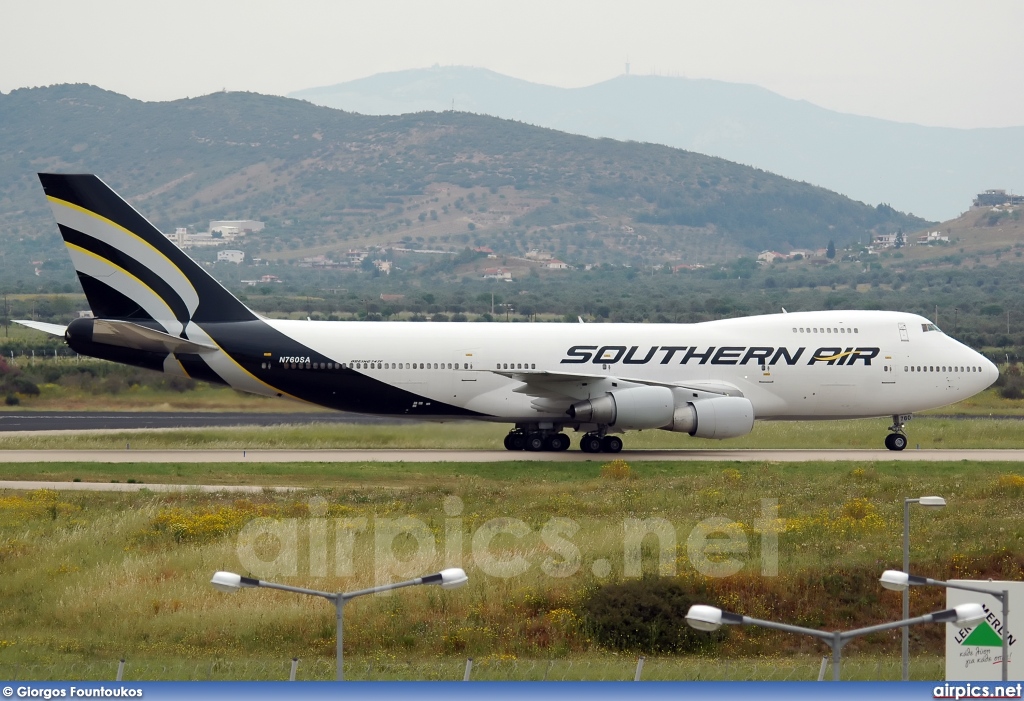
[711, 618]
[902, 581]
[232, 583]
[927, 502]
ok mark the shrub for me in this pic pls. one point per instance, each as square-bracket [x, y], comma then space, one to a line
[12, 400]
[648, 616]
[616, 470]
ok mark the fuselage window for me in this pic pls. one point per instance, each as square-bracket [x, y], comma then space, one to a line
[533, 366]
[794, 329]
[904, 368]
[435, 366]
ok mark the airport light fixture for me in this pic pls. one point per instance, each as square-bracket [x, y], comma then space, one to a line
[710, 618]
[232, 583]
[929, 503]
[902, 581]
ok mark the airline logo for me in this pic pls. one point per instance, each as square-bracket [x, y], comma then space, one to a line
[724, 355]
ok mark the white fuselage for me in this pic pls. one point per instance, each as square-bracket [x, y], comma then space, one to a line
[804, 365]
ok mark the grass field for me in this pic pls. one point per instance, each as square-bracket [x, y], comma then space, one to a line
[89, 578]
[924, 432]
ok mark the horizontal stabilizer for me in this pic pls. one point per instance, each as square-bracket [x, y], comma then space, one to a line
[129, 335]
[52, 329]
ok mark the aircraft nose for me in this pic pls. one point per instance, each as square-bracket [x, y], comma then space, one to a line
[989, 371]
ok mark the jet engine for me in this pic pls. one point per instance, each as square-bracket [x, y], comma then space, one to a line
[628, 409]
[658, 407]
[718, 417]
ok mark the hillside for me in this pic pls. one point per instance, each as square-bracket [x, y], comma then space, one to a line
[932, 172]
[326, 180]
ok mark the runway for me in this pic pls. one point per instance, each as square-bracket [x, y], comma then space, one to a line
[487, 456]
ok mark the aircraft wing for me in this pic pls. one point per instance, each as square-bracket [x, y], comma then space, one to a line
[127, 335]
[556, 391]
[52, 329]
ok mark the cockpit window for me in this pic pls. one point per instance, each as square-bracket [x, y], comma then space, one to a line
[929, 327]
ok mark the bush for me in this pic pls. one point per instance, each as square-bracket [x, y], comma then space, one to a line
[12, 400]
[616, 470]
[648, 616]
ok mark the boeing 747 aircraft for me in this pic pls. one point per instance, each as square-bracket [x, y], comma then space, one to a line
[156, 308]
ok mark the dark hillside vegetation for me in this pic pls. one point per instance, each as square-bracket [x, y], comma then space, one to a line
[326, 180]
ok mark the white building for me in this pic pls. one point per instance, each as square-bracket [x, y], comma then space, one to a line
[230, 256]
[236, 226]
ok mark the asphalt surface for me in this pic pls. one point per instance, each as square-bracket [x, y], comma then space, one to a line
[464, 456]
[122, 420]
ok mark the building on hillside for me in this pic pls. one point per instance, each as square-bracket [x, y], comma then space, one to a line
[383, 265]
[230, 256]
[932, 237]
[391, 298]
[555, 264]
[805, 253]
[497, 274]
[884, 240]
[769, 257]
[994, 198]
[179, 238]
[234, 227]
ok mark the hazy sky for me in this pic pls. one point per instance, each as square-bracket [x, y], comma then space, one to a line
[934, 62]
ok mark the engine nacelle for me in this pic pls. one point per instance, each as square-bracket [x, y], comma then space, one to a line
[720, 417]
[628, 409]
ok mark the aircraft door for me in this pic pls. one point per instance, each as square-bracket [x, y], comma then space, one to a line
[904, 336]
[464, 378]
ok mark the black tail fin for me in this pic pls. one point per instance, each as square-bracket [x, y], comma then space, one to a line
[128, 269]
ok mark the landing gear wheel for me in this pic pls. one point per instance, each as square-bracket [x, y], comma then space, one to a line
[515, 440]
[535, 442]
[895, 441]
[611, 444]
[590, 443]
[556, 442]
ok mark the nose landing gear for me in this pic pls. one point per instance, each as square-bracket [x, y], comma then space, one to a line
[897, 439]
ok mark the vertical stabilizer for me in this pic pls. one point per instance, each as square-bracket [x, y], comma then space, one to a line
[128, 269]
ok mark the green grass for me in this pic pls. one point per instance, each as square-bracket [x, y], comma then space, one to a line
[92, 577]
[924, 432]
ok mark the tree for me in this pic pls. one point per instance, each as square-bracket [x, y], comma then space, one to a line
[830, 252]
[899, 238]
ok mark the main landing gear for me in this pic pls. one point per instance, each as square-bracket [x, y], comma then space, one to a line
[526, 438]
[595, 443]
[518, 439]
[897, 439]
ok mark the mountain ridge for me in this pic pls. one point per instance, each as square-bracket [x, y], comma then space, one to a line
[327, 180]
[932, 171]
